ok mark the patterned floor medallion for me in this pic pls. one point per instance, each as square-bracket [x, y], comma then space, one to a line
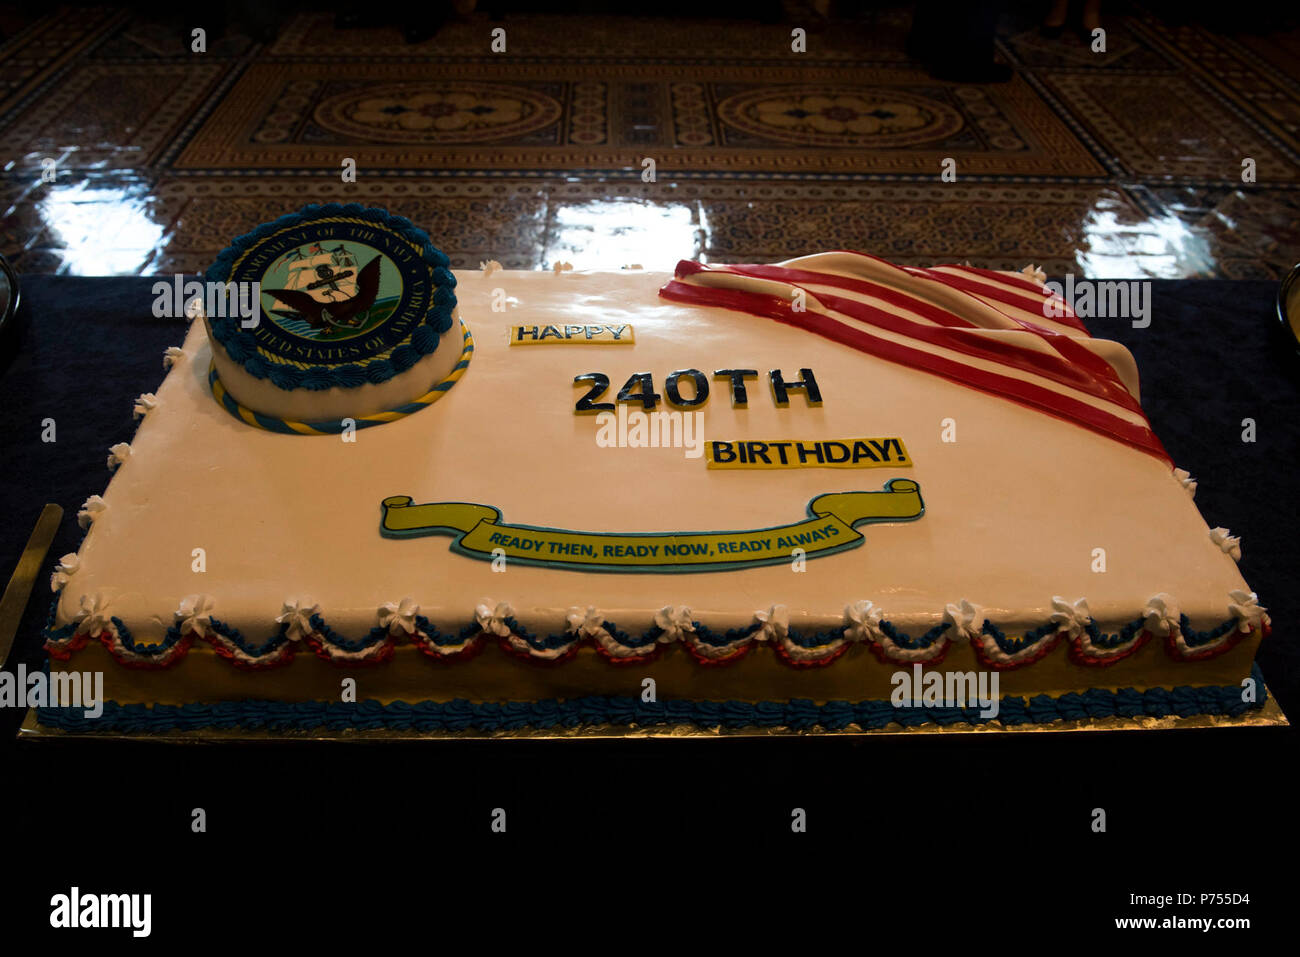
[523, 116]
[840, 117]
[443, 112]
[126, 151]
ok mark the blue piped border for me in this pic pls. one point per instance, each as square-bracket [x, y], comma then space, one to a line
[335, 426]
[1009, 644]
[242, 347]
[798, 714]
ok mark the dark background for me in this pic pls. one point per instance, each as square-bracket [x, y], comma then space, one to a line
[982, 840]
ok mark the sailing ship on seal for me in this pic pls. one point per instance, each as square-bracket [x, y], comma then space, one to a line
[326, 290]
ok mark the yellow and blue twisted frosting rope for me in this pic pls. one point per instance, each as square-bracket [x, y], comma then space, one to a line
[336, 426]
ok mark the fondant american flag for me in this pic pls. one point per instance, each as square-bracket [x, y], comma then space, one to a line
[982, 329]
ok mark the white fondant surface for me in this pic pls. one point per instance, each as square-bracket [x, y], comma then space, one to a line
[1015, 507]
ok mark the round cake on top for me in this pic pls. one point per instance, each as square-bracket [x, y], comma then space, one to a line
[333, 317]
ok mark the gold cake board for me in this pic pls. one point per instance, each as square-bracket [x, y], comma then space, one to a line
[1270, 715]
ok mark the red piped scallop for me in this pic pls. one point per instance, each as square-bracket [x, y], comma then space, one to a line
[1081, 657]
[569, 652]
[1041, 650]
[883, 656]
[821, 662]
[321, 649]
[471, 649]
[727, 659]
[1218, 648]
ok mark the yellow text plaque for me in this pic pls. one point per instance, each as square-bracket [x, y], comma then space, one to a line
[856, 453]
[607, 334]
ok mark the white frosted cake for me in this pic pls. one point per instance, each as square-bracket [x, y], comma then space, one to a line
[748, 496]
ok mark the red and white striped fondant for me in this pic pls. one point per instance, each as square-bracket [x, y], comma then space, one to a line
[982, 329]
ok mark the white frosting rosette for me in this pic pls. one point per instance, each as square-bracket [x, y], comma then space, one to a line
[1162, 615]
[1227, 542]
[1245, 607]
[1073, 619]
[194, 616]
[966, 619]
[492, 618]
[90, 510]
[675, 623]
[95, 616]
[145, 403]
[64, 570]
[297, 615]
[586, 624]
[773, 624]
[118, 454]
[862, 621]
[399, 617]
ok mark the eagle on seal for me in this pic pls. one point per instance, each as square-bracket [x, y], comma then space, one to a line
[322, 314]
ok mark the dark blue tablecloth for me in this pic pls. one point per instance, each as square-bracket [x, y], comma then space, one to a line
[1208, 360]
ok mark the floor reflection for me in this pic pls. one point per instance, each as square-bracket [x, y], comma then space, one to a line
[100, 230]
[1106, 167]
[609, 234]
[1160, 247]
[119, 226]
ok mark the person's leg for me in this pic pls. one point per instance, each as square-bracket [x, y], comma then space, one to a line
[1091, 15]
[1054, 23]
[955, 40]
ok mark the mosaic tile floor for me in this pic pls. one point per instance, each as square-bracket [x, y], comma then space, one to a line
[125, 152]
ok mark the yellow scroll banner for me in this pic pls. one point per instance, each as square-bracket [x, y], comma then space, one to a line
[478, 532]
